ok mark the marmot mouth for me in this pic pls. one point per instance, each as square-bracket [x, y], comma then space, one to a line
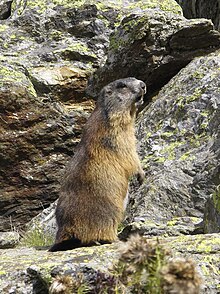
[139, 100]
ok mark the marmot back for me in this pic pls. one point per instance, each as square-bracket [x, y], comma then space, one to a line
[93, 194]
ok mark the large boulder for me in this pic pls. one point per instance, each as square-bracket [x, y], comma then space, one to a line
[92, 268]
[178, 135]
[153, 46]
[37, 137]
[212, 213]
[202, 8]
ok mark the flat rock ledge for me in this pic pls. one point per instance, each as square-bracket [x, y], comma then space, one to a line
[27, 270]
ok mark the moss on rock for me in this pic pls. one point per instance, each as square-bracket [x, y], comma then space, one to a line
[41, 6]
[12, 75]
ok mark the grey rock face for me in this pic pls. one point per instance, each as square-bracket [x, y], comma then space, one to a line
[212, 213]
[5, 9]
[34, 270]
[178, 136]
[153, 46]
[37, 136]
[8, 239]
[202, 8]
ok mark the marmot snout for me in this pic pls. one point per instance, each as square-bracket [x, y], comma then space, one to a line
[95, 184]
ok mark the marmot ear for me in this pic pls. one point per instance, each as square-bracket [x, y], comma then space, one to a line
[121, 85]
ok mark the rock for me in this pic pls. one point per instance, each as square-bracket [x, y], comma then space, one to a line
[45, 222]
[48, 50]
[34, 269]
[201, 8]
[64, 83]
[8, 239]
[174, 227]
[153, 46]
[37, 137]
[5, 9]
[178, 138]
[212, 213]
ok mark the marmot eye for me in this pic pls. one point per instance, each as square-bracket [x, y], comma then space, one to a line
[121, 85]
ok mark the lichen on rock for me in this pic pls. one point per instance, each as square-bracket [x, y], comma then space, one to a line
[48, 51]
[178, 135]
[212, 213]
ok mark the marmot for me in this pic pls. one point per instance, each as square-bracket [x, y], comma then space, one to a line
[95, 184]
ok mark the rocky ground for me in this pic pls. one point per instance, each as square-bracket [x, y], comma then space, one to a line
[55, 57]
[35, 270]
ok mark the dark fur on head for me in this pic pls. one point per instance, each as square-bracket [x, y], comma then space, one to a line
[130, 92]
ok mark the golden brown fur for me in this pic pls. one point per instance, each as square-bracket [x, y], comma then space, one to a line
[95, 184]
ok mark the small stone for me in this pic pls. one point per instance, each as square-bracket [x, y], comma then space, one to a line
[8, 239]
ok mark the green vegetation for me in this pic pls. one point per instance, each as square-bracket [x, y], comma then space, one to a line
[3, 28]
[216, 199]
[36, 237]
[143, 266]
[10, 74]
[42, 6]
[139, 265]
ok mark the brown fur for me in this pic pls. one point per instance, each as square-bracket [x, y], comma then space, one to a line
[95, 184]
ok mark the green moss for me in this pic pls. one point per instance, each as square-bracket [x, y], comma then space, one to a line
[165, 5]
[197, 94]
[169, 150]
[42, 6]
[3, 28]
[181, 101]
[160, 159]
[198, 75]
[166, 135]
[8, 74]
[187, 156]
[216, 199]
[56, 35]
[205, 270]
[204, 247]
[79, 48]
[36, 237]
[172, 222]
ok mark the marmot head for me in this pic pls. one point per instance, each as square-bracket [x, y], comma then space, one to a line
[122, 95]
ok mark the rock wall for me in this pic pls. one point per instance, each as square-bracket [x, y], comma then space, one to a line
[47, 54]
[48, 51]
[178, 135]
[202, 8]
[154, 46]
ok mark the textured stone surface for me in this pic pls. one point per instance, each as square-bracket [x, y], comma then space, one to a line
[37, 137]
[33, 270]
[202, 8]
[178, 136]
[153, 46]
[212, 213]
[5, 9]
[8, 239]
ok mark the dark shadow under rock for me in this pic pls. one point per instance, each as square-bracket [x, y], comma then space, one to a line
[153, 46]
